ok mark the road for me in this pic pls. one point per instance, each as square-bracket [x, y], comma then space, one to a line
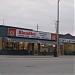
[36, 66]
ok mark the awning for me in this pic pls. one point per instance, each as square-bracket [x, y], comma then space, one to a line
[29, 40]
[20, 40]
[45, 41]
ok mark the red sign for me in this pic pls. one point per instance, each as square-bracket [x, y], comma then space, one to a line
[26, 33]
[11, 32]
[53, 36]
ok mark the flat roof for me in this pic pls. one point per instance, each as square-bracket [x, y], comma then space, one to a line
[15, 27]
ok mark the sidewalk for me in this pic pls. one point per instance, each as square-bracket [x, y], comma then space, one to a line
[36, 56]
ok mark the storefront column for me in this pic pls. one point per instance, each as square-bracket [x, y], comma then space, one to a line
[63, 49]
[38, 48]
[7, 45]
[23, 45]
[0, 43]
[32, 48]
[12, 46]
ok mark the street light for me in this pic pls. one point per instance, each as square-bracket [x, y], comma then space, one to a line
[57, 30]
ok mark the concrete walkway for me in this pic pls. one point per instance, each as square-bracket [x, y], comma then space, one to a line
[37, 56]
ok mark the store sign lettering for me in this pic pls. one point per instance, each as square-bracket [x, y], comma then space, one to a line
[27, 33]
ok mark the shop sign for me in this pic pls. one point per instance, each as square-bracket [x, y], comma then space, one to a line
[53, 36]
[11, 32]
[66, 40]
[44, 35]
[26, 33]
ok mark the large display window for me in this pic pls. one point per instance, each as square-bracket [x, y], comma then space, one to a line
[43, 47]
[7, 45]
[46, 48]
[15, 45]
[23, 46]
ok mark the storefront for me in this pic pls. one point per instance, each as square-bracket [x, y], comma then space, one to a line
[68, 44]
[15, 40]
[34, 46]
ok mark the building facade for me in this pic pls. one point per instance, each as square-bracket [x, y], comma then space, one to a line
[14, 40]
[68, 42]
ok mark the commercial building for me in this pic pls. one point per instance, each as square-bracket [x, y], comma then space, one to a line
[15, 40]
[68, 42]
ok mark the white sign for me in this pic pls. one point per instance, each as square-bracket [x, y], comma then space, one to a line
[44, 35]
[67, 40]
[33, 34]
[25, 33]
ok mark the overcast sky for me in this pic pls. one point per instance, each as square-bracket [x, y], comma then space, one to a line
[29, 13]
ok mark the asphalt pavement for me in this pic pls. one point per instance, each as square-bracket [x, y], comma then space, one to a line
[37, 65]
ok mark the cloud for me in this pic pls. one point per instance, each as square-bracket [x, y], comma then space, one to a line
[27, 13]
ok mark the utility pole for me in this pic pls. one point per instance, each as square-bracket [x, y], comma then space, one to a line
[57, 31]
[58, 27]
[3, 21]
[37, 27]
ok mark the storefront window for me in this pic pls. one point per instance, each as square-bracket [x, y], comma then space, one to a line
[7, 45]
[4, 45]
[15, 45]
[23, 46]
[30, 46]
[45, 47]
